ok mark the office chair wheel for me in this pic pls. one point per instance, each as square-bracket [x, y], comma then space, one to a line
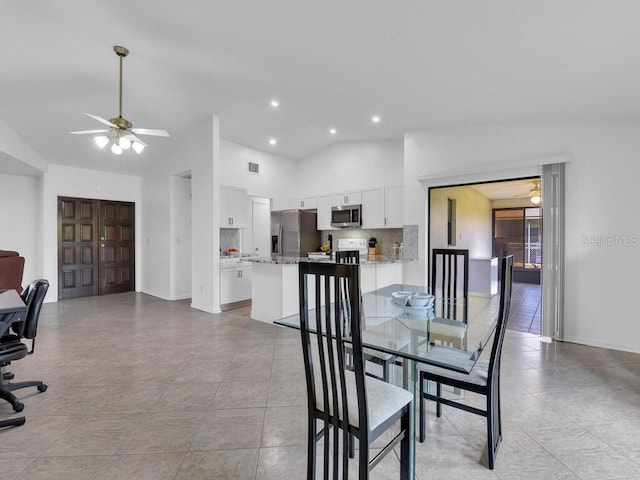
[42, 388]
[18, 407]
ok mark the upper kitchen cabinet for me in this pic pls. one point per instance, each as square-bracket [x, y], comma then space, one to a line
[233, 207]
[394, 207]
[347, 198]
[373, 213]
[382, 207]
[307, 203]
[325, 202]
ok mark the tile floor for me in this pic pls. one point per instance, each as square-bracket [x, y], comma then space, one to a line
[524, 314]
[142, 388]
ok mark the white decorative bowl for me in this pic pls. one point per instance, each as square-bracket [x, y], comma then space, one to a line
[401, 297]
[420, 300]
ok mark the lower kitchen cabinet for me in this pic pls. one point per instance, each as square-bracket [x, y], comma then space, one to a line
[235, 281]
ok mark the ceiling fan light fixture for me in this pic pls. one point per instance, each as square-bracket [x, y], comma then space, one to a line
[124, 143]
[137, 147]
[120, 131]
[101, 140]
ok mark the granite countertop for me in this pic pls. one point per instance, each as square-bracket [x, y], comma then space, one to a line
[295, 260]
[237, 255]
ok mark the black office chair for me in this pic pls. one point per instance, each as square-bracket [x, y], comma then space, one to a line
[484, 378]
[12, 348]
[385, 360]
[343, 398]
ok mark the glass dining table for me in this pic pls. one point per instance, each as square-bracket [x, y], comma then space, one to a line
[431, 335]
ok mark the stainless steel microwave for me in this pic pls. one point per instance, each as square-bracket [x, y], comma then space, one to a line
[345, 216]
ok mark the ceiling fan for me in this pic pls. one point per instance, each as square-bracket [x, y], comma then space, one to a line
[121, 131]
[534, 194]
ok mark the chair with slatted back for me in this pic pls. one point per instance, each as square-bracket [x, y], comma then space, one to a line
[341, 399]
[385, 360]
[449, 283]
[484, 378]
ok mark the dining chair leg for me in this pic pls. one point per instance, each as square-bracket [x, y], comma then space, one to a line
[438, 404]
[405, 444]
[363, 460]
[311, 449]
[423, 411]
[490, 449]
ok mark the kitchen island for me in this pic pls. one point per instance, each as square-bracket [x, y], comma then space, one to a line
[275, 283]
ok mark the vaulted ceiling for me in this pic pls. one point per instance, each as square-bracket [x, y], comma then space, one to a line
[330, 64]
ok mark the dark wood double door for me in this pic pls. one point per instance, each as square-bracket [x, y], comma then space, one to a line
[96, 247]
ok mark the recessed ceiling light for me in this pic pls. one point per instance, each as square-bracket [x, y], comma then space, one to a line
[332, 131]
[273, 141]
[375, 119]
[275, 103]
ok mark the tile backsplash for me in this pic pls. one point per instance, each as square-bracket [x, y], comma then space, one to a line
[229, 237]
[386, 237]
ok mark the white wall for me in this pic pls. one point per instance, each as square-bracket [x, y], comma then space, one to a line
[350, 165]
[601, 186]
[200, 154]
[16, 155]
[180, 238]
[278, 175]
[81, 183]
[474, 217]
[21, 223]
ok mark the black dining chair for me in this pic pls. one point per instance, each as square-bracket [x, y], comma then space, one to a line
[484, 378]
[13, 348]
[383, 359]
[341, 398]
[449, 283]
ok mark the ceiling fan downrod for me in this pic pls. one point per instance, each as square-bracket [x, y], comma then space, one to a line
[120, 122]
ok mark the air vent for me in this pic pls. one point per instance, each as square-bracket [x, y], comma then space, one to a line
[254, 167]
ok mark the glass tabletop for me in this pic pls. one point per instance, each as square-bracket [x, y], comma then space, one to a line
[429, 334]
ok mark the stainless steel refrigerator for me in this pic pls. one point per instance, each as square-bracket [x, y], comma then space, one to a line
[294, 233]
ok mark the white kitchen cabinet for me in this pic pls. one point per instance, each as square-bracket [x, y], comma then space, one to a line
[307, 203]
[382, 207]
[388, 274]
[244, 281]
[373, 208]
[377, 275]
[325, 202]
[367, 277]
[233, 207]
[394, 207]
[235, 281]
[347, 198]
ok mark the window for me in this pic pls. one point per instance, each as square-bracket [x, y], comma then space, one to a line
[451, 222]
[518, 232]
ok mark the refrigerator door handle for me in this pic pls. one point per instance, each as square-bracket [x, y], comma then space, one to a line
[280, 247]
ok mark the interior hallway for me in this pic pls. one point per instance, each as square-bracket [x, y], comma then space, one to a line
[143, 388]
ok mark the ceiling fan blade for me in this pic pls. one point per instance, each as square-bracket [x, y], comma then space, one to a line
[101, 120]
[89, 132]
[150, 131]
[136, 139]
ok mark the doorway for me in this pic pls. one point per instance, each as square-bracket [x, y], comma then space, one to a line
[494, 219]
[96, 247]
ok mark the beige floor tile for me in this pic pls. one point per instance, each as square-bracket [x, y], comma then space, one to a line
[152, 466]
[221, 464]
[222, 396]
